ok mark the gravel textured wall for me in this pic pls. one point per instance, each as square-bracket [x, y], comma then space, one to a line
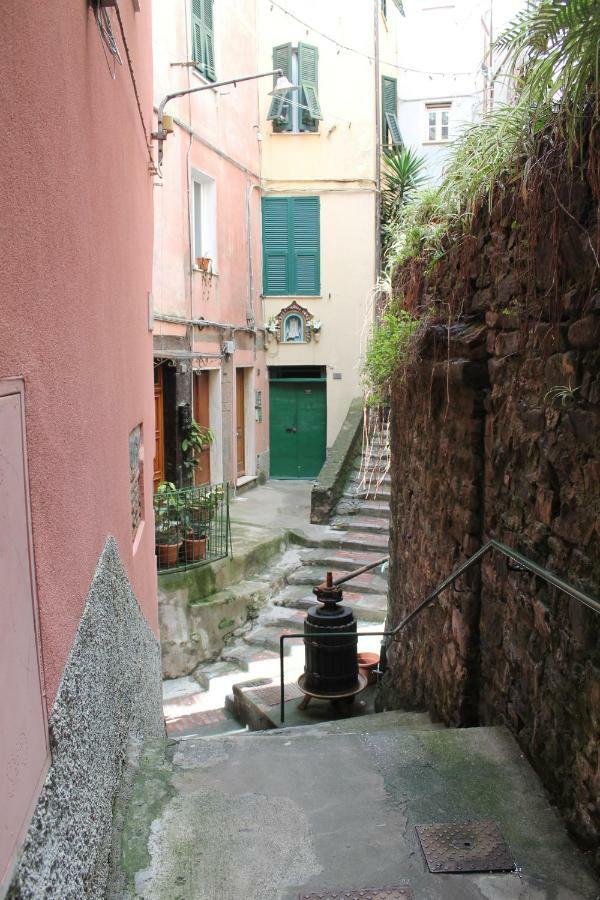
[109, 698]
[496, 433]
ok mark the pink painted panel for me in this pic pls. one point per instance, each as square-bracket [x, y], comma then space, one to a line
[23, 729]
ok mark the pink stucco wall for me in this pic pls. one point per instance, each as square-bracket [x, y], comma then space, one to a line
[76, 268]
[224, 146]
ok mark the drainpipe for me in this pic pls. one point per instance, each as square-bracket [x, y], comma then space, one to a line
[377, 144]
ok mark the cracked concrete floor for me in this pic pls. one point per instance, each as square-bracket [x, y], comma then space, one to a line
[269, 814]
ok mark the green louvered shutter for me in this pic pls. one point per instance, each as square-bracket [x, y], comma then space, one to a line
[197, 33]
[203, 40]
[280, 109]
[389, 96]
[305, 221]
[209, 41]
[308, 71]
[276, 246]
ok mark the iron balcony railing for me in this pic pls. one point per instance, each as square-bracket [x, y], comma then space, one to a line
[191, 526]
[521, 563]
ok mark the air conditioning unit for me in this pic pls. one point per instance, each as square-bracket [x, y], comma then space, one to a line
[228, 348]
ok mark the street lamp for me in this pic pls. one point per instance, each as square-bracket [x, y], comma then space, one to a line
[282, 86]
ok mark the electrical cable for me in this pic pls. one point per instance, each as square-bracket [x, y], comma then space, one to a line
[153, 168]
[362, 53]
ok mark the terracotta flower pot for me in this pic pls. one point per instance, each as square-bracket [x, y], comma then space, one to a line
[168, 554]
[367, 663]
[194, 549]
[203, 262]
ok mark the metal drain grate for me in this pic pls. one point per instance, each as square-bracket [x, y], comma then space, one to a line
[381, 893]
[465, 847]
[270, 695]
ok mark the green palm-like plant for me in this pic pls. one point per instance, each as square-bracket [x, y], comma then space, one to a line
[403, 174]
[553, 50]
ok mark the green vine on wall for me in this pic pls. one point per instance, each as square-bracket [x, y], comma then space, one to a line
[389, 349]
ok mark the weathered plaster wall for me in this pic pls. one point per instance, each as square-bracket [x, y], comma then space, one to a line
[484, 444]
[75, 267]
[108, 700]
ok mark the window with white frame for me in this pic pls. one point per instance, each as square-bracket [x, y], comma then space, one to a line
[204, 221]
[437, 122]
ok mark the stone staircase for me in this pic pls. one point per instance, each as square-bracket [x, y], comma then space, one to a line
[333, 809]
[359, 535]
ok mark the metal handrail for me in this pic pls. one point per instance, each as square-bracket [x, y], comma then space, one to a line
[521, 560]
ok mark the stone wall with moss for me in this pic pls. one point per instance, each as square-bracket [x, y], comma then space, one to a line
[496, 433]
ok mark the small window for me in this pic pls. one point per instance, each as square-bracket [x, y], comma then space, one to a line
[136, 478]
[204, 220]
[438, 123]
[299, 110]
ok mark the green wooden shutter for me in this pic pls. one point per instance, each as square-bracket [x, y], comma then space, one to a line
[305, 232]
[203, 40]
[308, 71]
[280, 109]
[209, 41]
[197, 33]
[389, 98]
[276, 246]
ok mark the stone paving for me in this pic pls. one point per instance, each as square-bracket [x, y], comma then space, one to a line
[202, 703]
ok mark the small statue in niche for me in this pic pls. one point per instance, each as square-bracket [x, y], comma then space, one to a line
[293, 329]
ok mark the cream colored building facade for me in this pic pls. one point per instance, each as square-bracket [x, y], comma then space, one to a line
[334, 51]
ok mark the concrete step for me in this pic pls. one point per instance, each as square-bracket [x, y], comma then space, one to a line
[268, 637]
[355, 478]
[207, 672]
[368, 608]
[362, 524]
[256, 804]
[346, 560]
[353, 506]
[382, 494]
[362, 584]
[245, 656]
[360, 540]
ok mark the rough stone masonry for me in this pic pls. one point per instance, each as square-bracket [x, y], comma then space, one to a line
[496, 433]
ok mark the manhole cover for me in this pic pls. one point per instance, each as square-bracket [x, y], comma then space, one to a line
[381, 893]
[465, 847]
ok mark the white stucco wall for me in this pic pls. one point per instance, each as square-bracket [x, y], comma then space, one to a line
[444, 40]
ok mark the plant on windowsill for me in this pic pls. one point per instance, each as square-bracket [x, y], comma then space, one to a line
[204, 263]
[167, 518]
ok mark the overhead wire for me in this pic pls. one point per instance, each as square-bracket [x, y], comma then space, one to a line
[362, 53]
[135, 89]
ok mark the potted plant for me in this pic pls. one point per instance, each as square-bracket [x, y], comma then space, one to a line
[167, 517]
[203, 263]
[196, 528]
[197, 438]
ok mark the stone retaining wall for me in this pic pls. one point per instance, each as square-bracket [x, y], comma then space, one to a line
[496, 433]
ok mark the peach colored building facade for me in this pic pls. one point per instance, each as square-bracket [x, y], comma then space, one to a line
[208, 348]
[77, 568]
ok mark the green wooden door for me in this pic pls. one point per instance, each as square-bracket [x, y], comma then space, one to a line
[298, 427]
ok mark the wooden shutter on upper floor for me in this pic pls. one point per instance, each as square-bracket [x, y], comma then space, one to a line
[389, 98]
[291, 246]
[308, 78]
[305, 216]
[280, 108]
[276, 244]
[203, 40]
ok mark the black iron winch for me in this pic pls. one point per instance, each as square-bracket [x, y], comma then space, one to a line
[331, 662]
